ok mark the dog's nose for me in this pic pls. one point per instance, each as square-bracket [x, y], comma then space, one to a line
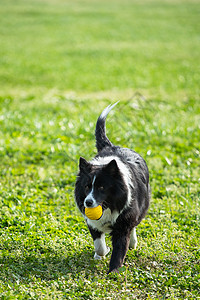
[89, 202]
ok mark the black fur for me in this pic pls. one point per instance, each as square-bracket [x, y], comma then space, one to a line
[118, 179]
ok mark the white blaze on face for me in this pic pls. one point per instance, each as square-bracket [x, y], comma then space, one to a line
[90, 196]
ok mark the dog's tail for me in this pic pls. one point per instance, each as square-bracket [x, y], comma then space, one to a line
[100, 132]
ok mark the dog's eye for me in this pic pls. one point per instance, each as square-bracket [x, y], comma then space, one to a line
[87, 188]
[101, 188]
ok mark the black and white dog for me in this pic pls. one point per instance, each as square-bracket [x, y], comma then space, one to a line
[118, 180]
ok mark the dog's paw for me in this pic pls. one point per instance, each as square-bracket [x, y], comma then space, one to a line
[98, 257]
[113, 271]
[133, 246]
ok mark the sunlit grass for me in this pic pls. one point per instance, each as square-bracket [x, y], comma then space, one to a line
[87, 45]
[61, 63]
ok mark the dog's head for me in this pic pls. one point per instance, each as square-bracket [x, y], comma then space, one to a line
[100, 185]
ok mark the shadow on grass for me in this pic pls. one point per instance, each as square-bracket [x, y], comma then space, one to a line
[47, 266]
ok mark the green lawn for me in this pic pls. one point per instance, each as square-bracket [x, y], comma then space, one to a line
[61, 63]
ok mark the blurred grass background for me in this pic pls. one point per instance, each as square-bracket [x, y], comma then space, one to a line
[100, 45]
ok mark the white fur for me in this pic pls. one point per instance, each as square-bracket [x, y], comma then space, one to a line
[133, 239]
[100, 247]
[97, 257]
[107, 110]
[90, 196]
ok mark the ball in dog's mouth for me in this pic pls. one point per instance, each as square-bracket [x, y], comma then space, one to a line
[94, 213]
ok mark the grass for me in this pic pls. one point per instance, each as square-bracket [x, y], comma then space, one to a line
[54, 44]
[61, 63]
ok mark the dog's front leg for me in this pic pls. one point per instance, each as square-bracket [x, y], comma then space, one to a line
[99, 243]
[120, 246]
[133, 239]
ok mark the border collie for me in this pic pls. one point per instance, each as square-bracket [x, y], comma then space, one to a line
[118, 180]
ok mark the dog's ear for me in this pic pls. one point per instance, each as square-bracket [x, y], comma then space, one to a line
[84, 165]
[112, 167]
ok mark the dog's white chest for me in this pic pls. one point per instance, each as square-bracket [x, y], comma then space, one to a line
[105, 222]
